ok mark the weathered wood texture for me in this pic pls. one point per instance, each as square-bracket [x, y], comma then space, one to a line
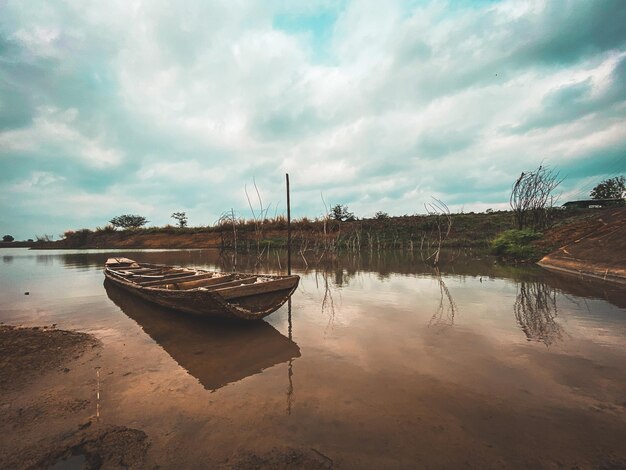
[236, 295]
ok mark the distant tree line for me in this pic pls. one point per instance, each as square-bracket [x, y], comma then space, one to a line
[133, 221]
[532, 197]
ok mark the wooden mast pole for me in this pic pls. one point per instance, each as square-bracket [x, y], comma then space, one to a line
[288, 228]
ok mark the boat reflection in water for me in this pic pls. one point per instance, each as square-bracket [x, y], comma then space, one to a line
[216, 353]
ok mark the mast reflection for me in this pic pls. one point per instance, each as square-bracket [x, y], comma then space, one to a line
[216, 353]
[290, 367]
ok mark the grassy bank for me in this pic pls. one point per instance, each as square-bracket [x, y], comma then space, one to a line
[477, 230]
[474, 230]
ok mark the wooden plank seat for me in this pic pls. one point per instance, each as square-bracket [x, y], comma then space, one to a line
[166, 271]
[145, 279]
[188, 276]
[163, 273]
[199, 282]
[138, 269]
[129, 272]
[254, 288]
[236, 282]
[150, 273]
[146, 271]
[207, 284]
[120, 273]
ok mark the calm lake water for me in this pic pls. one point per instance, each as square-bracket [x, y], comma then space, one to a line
[378, 362]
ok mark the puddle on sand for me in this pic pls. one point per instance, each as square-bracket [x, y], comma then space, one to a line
[379, 361]
[74, 462]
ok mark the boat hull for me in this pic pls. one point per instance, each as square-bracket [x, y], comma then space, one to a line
[252, 304]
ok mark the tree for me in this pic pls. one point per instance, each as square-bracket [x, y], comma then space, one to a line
[7, 238]
[381, 215]
[611, 188]
[341, 213]
[532, 195]
[440, 213]
[128, 221]
[181, 218]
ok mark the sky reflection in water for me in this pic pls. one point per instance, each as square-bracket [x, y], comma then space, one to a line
[468, 358]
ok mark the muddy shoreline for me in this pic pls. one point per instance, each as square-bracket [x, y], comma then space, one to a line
[29, 353]
[584, 269]
[594, 247]
[46, 423]
[50, 423]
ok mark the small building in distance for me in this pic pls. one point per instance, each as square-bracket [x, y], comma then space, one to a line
[595, 203]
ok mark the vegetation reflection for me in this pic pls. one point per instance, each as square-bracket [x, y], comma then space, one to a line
[447, 308]
[536, 312]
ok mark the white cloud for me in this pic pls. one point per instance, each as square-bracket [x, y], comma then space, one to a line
[186, 172]
[39, 41]
[409, 100]
[37, 179]
[53, 132]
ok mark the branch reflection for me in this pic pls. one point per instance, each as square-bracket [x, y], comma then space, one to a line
[447, 308]
[328, 302]
[536, 311]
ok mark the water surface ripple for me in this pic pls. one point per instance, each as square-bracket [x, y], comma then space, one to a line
[378, 361]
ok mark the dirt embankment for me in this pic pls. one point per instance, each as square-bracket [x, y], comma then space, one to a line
[17, 244]
[143, 239]
[593, 246]
[45, 420]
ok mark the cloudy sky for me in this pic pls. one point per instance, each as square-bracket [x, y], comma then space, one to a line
[151, 107]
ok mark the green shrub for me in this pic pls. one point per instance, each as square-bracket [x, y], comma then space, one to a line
[516, 244]
[128, 221]
[77, 238]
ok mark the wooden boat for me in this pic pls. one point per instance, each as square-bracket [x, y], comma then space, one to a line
[216, 352]
[207, 293]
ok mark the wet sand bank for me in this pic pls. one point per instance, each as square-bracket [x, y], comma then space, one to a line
[47, 424]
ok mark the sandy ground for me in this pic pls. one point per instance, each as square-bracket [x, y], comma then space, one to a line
[44, 426]
[50, 414]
